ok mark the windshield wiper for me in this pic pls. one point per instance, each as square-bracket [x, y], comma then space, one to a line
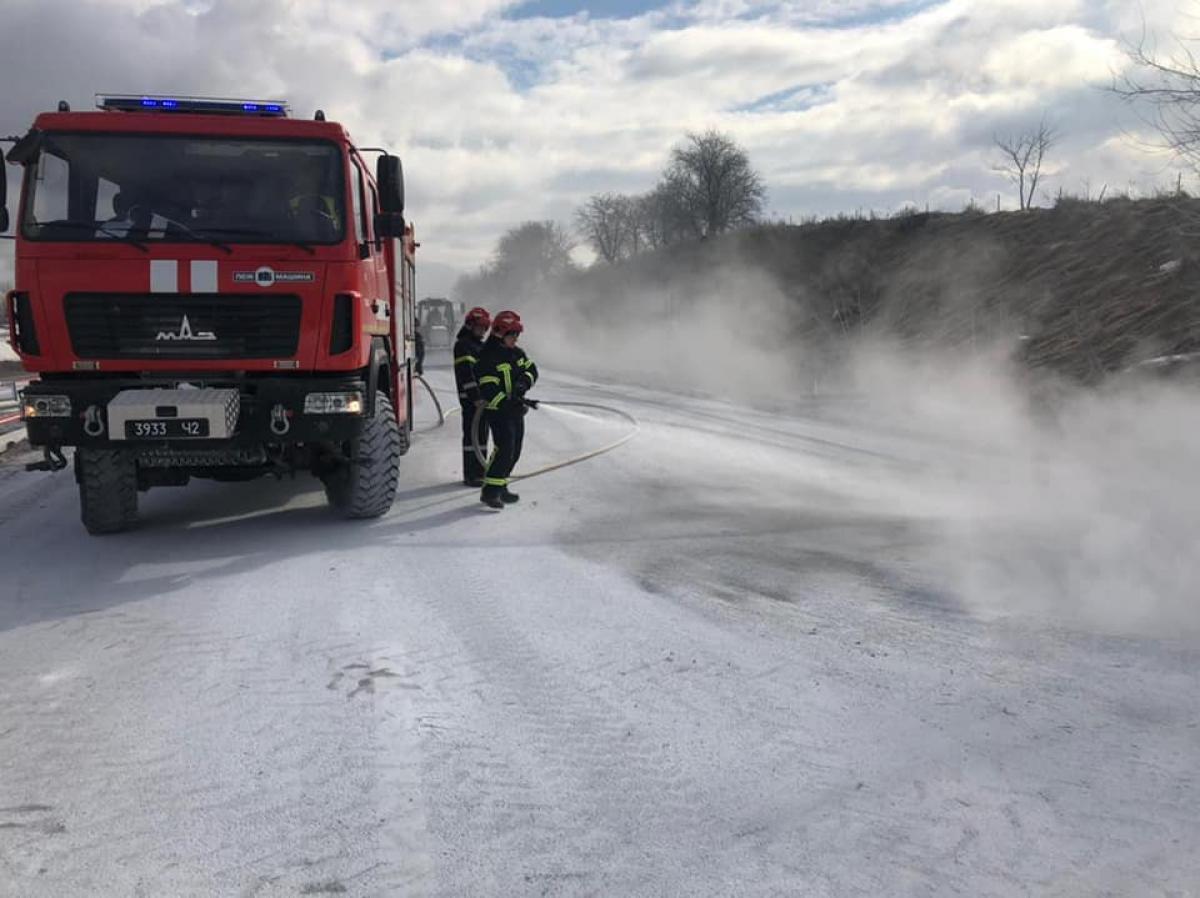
[246, 232]
[104, 228]
[198, 235]
[101, 226]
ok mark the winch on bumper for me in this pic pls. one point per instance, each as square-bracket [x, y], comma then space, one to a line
[229, 417]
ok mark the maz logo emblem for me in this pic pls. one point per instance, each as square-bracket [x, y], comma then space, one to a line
[185, 332]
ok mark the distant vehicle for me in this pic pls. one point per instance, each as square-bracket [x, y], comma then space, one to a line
[439, 320]
[210, 288]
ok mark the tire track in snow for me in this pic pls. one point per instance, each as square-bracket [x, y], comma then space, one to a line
[546, 774]
[223, 734]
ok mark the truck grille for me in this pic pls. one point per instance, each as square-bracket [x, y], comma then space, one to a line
[183, 326]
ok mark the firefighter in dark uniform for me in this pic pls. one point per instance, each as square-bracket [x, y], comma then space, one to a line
[505, 375]
[467, 347]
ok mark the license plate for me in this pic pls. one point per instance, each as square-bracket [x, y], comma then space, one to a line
[170, 428]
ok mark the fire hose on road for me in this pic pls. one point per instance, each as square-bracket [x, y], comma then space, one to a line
[570, 461]
[574, 460]
[436, 402]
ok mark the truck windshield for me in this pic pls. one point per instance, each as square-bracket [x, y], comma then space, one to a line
[435, 314]
[183, 189]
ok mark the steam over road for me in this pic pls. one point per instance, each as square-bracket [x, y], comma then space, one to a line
[734, 657]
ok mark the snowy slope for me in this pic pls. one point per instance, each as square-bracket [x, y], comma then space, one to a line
[722, 660]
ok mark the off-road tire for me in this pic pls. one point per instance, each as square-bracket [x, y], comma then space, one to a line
[108, 489]
[366, 487]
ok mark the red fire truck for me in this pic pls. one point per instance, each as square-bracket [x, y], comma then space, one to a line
[211, 288]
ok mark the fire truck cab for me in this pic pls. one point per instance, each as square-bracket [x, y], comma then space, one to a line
[211, 288]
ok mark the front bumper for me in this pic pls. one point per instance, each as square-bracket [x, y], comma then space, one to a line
[262, 404]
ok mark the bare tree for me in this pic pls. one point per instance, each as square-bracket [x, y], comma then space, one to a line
[641, 223]
[1168, 88]
[662, 218]
[607, 222]
[539, 249]
[527, 258]
[1022, 155]
[711, 180]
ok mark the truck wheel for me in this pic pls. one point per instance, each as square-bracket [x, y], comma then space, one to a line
[367, 487]
[108, 489]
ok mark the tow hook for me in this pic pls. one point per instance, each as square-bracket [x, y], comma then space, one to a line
[52, 460]
[280, 424]
[93, 424]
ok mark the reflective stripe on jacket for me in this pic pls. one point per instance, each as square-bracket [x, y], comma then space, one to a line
[503, 375]
[466, 356]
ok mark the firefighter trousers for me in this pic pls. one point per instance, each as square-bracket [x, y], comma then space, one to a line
[472, 467]
[508, 435]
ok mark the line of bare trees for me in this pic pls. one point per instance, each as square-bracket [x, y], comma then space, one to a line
[708, 187]
[527, 257]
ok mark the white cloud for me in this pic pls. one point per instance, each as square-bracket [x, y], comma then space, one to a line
[1062, 57]
[869, 102]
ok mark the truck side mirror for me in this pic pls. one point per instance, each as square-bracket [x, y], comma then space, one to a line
[23, 152]
[389, 225]
[389, 177]
[27, 148]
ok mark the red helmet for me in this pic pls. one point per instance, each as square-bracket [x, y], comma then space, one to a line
[478, 316]
[507, 323]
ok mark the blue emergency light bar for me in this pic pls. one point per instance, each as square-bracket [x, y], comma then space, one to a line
[200, 105]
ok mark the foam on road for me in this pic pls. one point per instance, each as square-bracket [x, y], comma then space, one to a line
[718, 661]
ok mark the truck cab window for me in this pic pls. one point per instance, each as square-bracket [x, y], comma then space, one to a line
[362, 212]
[372, 211]
[356, 192]
[106, 199]
[53, 189]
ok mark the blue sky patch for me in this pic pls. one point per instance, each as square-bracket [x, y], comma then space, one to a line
[791, 99]
[883, 15]
[596, 9]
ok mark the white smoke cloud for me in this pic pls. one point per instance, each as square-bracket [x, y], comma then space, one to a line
[504, 118]
[1081, 514]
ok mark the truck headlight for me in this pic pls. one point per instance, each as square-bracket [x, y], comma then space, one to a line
[47, 407]
[350, 403]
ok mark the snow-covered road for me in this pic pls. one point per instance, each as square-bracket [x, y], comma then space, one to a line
[721, 660]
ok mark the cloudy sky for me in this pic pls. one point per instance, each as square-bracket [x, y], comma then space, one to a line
[506, 111]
